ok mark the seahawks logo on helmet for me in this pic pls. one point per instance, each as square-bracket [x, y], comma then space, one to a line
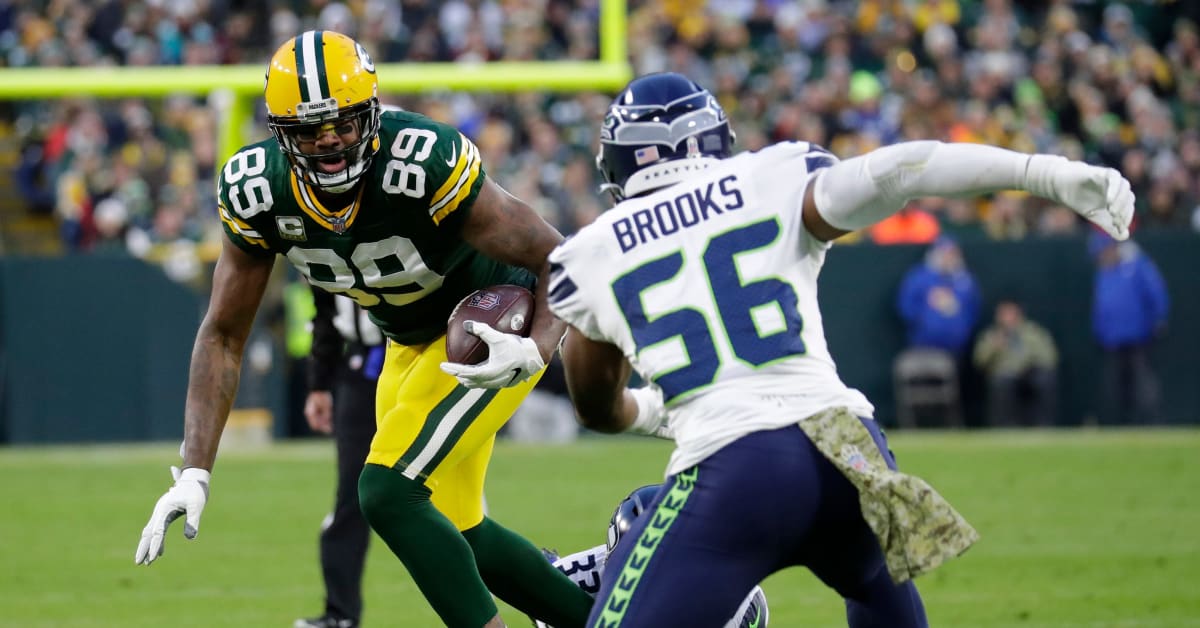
[606, 130]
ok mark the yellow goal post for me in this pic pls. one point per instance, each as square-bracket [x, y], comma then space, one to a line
[241, 85]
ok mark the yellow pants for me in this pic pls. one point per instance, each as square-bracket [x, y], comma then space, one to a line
[435, 431]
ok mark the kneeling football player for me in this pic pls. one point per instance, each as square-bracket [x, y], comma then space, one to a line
[585, 567]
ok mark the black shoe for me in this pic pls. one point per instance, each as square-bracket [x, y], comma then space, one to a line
[325, 621]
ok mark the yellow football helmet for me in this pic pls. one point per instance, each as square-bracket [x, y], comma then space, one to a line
[321, 81]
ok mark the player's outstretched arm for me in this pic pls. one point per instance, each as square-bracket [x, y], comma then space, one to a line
[239, 282]
[859, 192]
[238, 285]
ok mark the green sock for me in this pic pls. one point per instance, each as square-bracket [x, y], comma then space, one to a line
[437, 557]
[519, 574]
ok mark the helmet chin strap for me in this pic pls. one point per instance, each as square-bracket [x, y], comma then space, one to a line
[661, 175]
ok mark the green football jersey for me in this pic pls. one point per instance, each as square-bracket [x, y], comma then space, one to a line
[396, 248]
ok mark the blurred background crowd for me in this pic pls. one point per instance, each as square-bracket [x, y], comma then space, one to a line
[1112, 83]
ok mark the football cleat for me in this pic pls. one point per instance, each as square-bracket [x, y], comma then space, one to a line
[753, 612]
[325, 621]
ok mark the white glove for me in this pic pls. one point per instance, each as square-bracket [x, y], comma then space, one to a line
[186, 497]
[1099, 194]
[511, 360]
[652, 414]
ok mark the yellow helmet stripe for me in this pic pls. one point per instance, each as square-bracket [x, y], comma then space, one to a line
[310, 67]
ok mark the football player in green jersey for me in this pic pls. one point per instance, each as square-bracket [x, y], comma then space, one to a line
[393, 210]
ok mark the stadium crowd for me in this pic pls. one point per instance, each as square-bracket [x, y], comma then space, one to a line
[1112, 83]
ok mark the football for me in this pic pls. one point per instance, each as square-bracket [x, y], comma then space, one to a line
[507, 308]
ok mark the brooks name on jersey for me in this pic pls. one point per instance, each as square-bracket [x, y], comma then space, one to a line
[687, 209]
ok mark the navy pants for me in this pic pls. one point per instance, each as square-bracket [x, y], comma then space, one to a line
[765, 502]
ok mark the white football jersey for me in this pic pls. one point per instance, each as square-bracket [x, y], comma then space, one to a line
[585, 568]
[709, 287]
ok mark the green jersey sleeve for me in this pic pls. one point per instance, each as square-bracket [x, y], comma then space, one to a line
[437, 161]
[243, 192]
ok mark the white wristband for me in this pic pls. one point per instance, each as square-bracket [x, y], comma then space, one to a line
[651, 418]
[197, 474]
[1041, 175]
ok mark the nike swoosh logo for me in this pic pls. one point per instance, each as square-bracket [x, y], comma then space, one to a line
[453, 155]
[757, 617]
[516, 374]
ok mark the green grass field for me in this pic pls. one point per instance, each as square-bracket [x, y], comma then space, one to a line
[1079, 529]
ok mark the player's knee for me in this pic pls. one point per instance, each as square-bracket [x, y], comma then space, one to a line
[384, 493]
[371, 498]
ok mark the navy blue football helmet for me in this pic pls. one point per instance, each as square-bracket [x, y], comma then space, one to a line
[660, 129]
[628, 511]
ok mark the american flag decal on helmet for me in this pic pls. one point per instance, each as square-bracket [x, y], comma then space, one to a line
[645, 155]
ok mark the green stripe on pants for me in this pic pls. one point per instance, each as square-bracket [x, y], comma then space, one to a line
[442, 429]
[643, 550]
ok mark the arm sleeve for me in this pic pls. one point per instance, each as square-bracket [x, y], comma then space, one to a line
[861, 191]
[238, 228]
[973, 302]
[985, 350]
[326, 342]
[1156, 291]
[909, 296]
[564, 297]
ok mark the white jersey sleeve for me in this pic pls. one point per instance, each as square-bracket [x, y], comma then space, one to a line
[709, 288]
[584, 568]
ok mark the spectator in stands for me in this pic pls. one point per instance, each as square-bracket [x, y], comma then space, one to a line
[939, 303]
[939, 300]
[1105, 81]
[1019, 359]
[1129, 312]
[1006, 219]
[33, 179]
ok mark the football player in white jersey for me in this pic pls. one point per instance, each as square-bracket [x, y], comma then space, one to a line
[703, 279]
